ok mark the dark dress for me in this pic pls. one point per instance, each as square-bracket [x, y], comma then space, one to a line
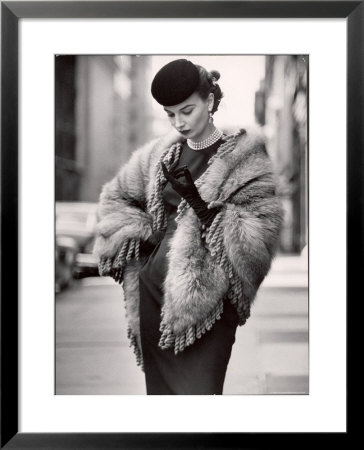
[200, 368]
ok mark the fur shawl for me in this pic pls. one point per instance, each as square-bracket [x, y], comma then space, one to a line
[230, 259]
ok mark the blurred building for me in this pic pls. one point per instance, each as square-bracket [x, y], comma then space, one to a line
[101, 116]
[281, 107]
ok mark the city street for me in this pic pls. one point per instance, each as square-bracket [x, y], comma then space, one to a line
[270, 355]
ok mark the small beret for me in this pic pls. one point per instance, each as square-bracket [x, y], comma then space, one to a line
[175, 82]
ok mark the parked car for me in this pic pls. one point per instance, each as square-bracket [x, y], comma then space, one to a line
[66, 252]
[77, 220]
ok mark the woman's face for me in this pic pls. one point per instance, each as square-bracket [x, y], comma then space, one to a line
[191, 117]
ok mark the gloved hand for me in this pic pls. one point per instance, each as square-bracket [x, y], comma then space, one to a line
[149, 245]
[189, 192]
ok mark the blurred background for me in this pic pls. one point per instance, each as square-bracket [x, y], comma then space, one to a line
[104, 111]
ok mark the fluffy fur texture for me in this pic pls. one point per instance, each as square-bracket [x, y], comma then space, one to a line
[242, 182]
[195, 282]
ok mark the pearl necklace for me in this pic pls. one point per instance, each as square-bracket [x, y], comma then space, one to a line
[214, 137]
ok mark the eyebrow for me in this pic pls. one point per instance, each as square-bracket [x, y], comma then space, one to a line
[186, 106]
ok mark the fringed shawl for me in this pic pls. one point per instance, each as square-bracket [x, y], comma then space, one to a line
[229, 260]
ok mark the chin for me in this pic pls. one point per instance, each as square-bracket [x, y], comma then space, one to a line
[194, 137]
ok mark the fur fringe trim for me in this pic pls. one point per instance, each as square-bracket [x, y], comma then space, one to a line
[237, 298]
[156, 204]
[189, 336]
[215, 241]
[114, 267]
[137, 351]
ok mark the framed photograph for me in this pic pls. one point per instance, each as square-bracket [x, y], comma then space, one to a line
[58, 61]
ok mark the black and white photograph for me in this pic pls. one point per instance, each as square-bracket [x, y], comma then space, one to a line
[181, 224]
[181, 205]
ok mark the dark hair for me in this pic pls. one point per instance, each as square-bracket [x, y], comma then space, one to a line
[208, 84]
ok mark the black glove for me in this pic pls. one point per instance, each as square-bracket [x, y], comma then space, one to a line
[189, 192]
[149, 245]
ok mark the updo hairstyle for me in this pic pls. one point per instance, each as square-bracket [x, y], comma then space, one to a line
[208, 84]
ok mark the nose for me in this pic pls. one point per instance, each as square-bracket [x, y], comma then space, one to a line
[178, 123]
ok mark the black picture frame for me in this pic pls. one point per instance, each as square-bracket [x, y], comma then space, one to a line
[11, 12]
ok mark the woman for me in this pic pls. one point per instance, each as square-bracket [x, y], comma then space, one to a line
[190, 225]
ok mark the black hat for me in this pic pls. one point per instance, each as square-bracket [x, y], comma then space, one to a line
[175, 82]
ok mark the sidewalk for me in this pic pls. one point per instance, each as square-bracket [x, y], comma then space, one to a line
[288, 271]
[270, 354]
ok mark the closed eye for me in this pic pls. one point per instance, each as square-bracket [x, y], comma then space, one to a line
[186, 112]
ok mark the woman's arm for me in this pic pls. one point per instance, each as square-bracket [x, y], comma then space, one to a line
[122, 206]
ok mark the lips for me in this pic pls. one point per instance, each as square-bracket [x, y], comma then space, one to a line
[185, 131]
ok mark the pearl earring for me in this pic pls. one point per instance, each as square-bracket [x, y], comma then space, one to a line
[210, 118]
